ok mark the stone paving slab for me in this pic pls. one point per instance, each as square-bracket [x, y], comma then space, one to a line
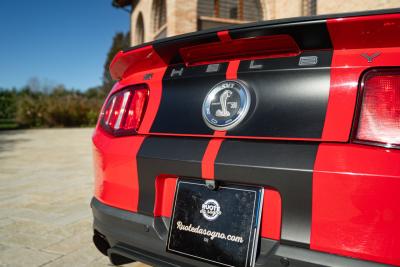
[46, 183]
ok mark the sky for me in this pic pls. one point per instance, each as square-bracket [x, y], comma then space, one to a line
[59, 42]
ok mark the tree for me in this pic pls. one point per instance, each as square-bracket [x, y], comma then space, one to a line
[121, 41]
[40, 85]
[8, 104]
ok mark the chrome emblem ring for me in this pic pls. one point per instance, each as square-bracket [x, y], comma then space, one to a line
[226, 105]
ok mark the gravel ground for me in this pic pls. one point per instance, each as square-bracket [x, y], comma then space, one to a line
[45, 189]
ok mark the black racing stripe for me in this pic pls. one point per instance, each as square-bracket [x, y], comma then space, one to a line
[308, 35]
[166, 155]
[287, 167]
[184, 89]
[289, 100]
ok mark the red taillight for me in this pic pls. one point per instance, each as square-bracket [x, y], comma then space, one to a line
[124, 111]
[379, 118]
[135, 110]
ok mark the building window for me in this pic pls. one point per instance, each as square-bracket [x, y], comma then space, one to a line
[159, 18]
[139, 30]
[233, 12]
[214, 13]
[309, 8]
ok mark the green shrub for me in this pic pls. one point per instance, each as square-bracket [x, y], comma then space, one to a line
[31, 110]
[60, 108]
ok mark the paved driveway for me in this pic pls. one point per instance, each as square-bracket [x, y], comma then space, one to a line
[45, 189]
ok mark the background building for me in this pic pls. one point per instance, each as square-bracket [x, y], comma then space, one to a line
[153, 19]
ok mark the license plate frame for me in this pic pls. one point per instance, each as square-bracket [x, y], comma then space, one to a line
[214, 225]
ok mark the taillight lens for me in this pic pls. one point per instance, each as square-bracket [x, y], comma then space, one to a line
[379, 117]
[124, 111]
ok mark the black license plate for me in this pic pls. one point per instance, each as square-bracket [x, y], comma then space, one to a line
[219, 226]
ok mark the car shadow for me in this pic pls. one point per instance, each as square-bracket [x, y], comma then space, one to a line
[8, 139]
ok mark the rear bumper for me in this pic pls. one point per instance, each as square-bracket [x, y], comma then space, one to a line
[143, 238]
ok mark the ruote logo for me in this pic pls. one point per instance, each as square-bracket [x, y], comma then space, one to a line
[210, 209]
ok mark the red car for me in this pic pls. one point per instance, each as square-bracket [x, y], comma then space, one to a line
[265, 144]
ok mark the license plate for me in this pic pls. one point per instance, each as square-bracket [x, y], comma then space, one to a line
[219, 226]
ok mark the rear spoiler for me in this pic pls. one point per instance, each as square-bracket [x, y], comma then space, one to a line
[275, 38]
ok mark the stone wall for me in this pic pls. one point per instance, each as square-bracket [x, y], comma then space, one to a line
[181, 18]
[340, 6]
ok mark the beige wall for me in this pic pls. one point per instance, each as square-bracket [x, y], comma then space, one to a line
[182, 14]
[277, 9]
[338, 6]
[181, 18]
[143, 7]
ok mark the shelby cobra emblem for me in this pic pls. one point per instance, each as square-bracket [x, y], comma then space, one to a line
[226, 105]
[210, 209]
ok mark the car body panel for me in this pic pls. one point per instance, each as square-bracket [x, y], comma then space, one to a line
[323, 192]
